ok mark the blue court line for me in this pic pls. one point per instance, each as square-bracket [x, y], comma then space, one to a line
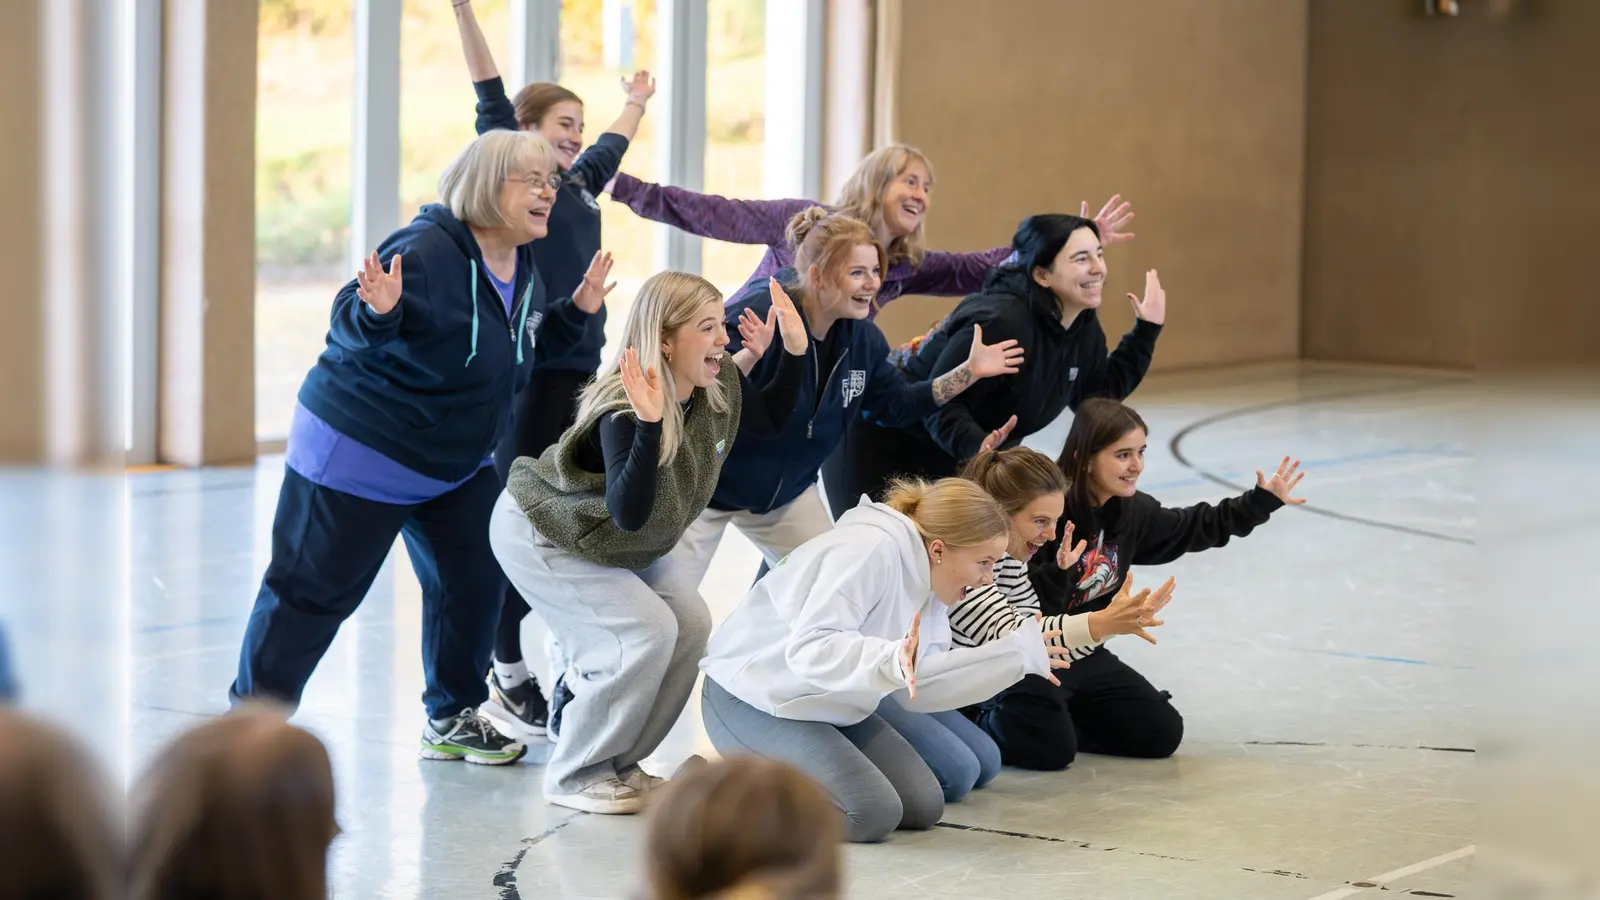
[1390, 659]
[197, 623]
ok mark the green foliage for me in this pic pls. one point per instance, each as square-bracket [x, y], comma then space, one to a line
[313, 16]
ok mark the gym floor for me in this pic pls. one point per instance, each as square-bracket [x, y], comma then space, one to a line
[1323, 666]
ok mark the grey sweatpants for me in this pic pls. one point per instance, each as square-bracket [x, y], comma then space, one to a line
[874, 776]
[633, 641]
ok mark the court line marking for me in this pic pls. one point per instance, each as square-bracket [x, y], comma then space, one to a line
[1382, 880]
[1175, 446]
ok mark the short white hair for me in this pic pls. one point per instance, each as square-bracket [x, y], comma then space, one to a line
[470, 185]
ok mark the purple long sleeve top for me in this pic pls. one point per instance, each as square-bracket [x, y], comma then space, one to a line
[764, 222]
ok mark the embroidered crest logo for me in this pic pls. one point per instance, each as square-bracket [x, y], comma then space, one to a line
[854, 384]
[532, 328]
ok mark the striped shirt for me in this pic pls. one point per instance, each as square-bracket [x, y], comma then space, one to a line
[994, 610]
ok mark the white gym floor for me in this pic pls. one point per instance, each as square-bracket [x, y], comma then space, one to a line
[1324, 667]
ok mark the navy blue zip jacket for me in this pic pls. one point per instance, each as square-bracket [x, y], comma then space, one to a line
[564, 254]
[430, 383]
[762, 474]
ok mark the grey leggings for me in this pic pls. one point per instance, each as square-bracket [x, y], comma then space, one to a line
[877, 780]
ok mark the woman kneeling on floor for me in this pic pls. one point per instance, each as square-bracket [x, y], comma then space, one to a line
[856, 618]
[584, 530]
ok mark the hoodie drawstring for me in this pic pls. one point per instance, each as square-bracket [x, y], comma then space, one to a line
[474, 317]
[516, 334]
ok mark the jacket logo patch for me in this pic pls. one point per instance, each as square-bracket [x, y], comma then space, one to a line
[721, 446]
[854, 384]
[532, 328]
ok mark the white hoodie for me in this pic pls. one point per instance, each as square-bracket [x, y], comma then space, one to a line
[819, 638]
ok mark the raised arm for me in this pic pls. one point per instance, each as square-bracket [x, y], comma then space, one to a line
[480, 62]
[954, 274]
[494, 111]
[630, 444]
[709, 215]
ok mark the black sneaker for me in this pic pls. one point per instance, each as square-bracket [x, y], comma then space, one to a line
[560, 696]
[519, 711]
[471, 737]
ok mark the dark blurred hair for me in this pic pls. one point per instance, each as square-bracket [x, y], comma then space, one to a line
[58, 824]
[1038, 241]
[239, 808]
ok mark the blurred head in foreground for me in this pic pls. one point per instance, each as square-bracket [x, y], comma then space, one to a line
[58, 837]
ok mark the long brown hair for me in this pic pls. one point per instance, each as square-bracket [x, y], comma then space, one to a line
[824, 238]
[239, 808]
[1097, 424]
[58, 836]
[744, 827]
[1015, 477]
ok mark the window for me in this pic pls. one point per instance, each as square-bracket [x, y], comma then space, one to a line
[601, 42]
[735, 125]
[303, 128]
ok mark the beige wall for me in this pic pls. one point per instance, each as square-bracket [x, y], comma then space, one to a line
[22, 408]
[1192, 109]
[1452, 186]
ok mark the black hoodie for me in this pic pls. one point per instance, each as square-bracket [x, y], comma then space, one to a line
[1062, 366]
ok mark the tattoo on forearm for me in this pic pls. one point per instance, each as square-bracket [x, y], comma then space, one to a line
[951, 383]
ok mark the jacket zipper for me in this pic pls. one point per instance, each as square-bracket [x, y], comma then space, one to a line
[822, 394]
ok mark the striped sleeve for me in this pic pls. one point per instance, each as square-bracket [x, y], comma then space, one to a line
[995, 610]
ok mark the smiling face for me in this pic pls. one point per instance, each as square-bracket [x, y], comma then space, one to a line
[955, 569]
[526, 199]
[1035, 525]
[1114, 471]
[851, 289]
[906, 200]
[694, 349]
[562, 126]
[1078, 274]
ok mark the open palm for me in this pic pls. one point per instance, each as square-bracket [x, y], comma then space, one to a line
[1283, 481]
[643, 389]
[376, 288]
[989, 360]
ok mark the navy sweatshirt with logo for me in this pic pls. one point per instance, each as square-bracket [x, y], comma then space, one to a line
[846, 369]
[430, 383]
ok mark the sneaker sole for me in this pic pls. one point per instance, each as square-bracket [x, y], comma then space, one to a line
[598, 807]
[431, 751]
[510, 724]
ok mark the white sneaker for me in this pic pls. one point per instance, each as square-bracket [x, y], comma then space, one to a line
[611, 797]
[640, 780]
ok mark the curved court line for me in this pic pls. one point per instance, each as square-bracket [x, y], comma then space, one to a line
[1176, 447]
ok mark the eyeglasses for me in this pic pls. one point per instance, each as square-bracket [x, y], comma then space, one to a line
[536, 182]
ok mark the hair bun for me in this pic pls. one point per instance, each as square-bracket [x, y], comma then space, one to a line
[802, 223]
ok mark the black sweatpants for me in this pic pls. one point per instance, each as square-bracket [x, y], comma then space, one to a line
[327, 547]
[546, 408]
[1102, 706]
[871, 456]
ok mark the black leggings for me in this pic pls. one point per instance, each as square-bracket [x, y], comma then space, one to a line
[545, 410]
[1102, 706]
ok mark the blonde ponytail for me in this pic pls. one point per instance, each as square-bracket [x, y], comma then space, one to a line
[953, 510]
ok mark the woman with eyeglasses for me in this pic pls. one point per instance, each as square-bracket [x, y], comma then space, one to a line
[395, 432]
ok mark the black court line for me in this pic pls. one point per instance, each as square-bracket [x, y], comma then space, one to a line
[506, 878]
[1176, 447]
[1085, 845]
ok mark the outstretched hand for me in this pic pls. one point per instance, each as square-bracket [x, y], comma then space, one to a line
[1069, 554]
[1110, 220]
[756, 333]
[1282, 481]
[989, 360]
[998, 436]
[908, 654]
[641, 88]
[643, 389]
[790, 325]
[1130, 613]
[377, 289]
[591, 293]
[1153, 308]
